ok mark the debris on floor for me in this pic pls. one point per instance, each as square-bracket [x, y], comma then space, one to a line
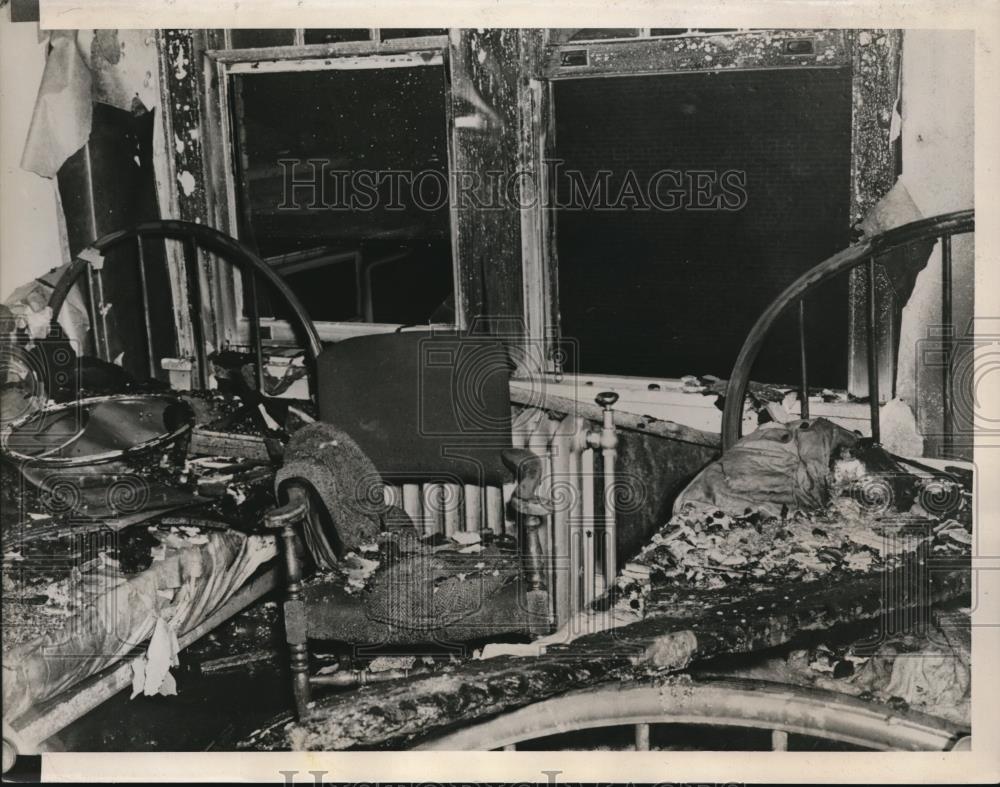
[928, 670]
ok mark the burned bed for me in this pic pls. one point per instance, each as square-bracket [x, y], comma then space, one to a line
[119, 551]
[734, 569]
[866, 551]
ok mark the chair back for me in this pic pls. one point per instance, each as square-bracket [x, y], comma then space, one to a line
[424, 405]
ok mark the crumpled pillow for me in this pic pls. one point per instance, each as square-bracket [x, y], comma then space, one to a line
[776, 466]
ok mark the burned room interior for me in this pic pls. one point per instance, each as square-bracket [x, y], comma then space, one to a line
[490, 389]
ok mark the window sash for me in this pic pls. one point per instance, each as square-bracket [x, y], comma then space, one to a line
[222, 64]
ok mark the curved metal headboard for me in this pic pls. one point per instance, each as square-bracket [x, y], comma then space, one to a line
[941, 227]
[192, 236]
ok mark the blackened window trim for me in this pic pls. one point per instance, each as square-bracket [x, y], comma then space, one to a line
[875, 92]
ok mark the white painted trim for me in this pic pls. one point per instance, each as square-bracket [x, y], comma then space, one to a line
[358, 63]
[168, 201]
[322, 51]
[282, 332]
[675, 402]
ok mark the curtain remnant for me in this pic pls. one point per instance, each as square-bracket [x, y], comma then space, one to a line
[115, 67]
[60, 123]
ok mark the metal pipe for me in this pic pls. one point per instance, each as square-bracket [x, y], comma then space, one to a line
[144, 291]
[871, 328]
[587, 524]
[93, 308]
[948, 345]
[607, 440]
[804, 387]
[104, 314]
[539, 443]
[577, 516]
[658, 427]
[193, 273]
[258, 350]
[561, 491]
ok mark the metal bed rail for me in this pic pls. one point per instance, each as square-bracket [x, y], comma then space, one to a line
[778, 708]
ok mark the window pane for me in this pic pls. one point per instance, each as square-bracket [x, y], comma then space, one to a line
[668, 31]
[390, 33]
[721, 190]
[251, 39]
[600, 33]
[348, 169]
[336, 36]
[680, 31]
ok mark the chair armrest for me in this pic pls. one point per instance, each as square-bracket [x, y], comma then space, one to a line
[291, 513]
[526, 468]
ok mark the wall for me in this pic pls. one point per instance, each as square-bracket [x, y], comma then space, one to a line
[937, 150]
[32, 229]
[30, 218]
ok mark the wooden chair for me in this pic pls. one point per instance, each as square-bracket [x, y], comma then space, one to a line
[520, 607]
[420, 447]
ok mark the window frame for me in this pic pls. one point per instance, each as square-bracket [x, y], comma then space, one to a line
[874, 92]
[219, 67]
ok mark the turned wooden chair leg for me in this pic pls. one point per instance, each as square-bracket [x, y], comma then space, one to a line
[528, 511]
[286, 518]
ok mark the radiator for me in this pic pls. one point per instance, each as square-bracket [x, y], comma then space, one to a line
[578, 538]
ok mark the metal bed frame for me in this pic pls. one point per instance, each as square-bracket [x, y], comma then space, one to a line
[779, 708]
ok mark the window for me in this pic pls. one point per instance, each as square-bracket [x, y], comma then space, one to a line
[340, 168]
[708, 194]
